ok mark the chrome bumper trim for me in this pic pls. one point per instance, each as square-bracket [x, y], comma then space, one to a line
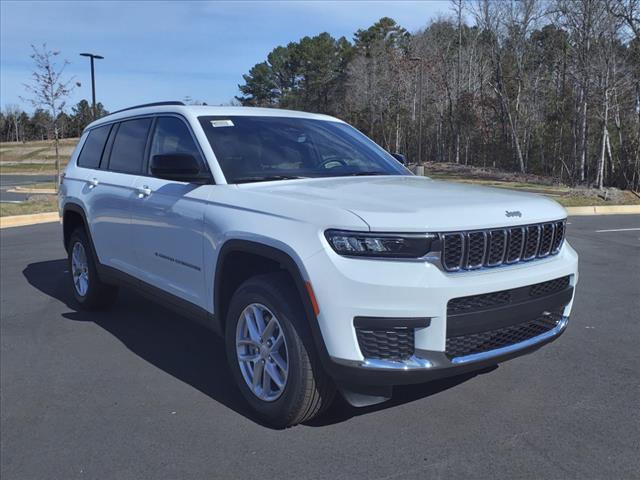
[476, 357]
[411, 363]
[420, 363]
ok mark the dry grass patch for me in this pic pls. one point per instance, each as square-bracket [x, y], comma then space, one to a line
[37, 204]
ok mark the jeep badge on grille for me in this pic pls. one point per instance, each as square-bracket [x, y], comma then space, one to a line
[514, 213]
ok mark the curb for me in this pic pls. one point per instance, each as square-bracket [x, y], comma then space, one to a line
[33, 219]
[43, 191]
[603, 210]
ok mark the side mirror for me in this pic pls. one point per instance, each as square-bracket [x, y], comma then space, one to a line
[180, 167]
[400, 157]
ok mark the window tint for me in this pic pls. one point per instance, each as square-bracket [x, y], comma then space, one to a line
[127, 153]
[252, 149]
[171, 135]
[93, 147]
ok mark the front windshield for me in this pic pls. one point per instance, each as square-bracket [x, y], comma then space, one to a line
[254, 149]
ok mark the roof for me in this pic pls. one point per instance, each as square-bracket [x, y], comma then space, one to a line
[195, 111]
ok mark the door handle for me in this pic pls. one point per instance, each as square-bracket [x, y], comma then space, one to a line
[93, 183]
[144, 191]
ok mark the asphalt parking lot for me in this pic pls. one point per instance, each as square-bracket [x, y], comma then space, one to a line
[139, 392]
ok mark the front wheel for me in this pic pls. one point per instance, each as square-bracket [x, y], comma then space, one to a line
[271, 353]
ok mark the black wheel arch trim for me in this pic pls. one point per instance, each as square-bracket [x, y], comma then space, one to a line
[288, 264]
[77, 208]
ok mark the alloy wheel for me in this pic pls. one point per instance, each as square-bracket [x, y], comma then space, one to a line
[261, 349]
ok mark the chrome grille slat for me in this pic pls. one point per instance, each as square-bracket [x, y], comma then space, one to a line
[493, 247]
[532, 242]
[476, 250]
[546, 239]
[558, 237]
[497, 247]
[516, 244]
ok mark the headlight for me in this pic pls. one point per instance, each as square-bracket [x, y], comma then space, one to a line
[389, 245]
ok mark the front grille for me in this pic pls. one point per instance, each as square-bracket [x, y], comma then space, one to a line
[484, 301]
[469, 344]
[491, 248]
[396, 343]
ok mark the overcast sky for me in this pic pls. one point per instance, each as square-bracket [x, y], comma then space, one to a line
[169, 50]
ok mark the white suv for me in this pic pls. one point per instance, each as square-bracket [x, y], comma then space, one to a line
[325, 264]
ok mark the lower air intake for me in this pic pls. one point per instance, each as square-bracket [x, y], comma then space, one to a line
[396, 343]
[469, 344]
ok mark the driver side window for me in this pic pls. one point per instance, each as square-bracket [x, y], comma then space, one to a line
[171, 135]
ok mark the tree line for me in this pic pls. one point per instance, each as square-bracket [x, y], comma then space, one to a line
[16, 125]
[545, 87]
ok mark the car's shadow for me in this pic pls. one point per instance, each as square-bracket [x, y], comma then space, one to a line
[188, 351]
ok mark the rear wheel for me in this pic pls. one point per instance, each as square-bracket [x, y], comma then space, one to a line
[89, 291]
[271, 352]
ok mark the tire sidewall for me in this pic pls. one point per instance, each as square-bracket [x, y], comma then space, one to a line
[277, 411]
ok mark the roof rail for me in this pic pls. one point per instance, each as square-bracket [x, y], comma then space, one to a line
[154, 104]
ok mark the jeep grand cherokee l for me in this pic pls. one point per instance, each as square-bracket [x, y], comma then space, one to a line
[322, 261]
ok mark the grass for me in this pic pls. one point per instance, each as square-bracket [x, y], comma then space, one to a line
[27, 167]
[34, 157]
[37, 186]
[45, 204]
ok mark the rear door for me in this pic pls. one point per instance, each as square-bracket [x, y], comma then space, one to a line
[113, 192]
[168, 218]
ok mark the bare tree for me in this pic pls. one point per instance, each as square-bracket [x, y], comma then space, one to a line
[48, 90]
[12, 115]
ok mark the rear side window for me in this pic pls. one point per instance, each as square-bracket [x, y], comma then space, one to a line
[93, 147]
[127, 153]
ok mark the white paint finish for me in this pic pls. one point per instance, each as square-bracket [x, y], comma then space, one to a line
[167, 232]
[190, 223]
[412, 204]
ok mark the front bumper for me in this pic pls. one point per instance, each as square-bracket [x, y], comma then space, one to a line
[352, 288]
[426, 366]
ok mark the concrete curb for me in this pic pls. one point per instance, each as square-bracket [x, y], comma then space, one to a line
[43, 191]
[22, 220]
[603, 210]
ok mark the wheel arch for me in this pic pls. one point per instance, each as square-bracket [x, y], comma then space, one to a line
[236, 251]
[73, 216]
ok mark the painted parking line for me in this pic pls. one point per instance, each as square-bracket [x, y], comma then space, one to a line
[619, 230]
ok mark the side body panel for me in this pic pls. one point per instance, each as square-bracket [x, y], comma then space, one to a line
[168, 228]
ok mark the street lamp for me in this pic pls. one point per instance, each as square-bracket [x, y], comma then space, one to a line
[420, 168]
[93, 56]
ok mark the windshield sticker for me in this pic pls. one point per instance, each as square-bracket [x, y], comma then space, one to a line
[221, 123]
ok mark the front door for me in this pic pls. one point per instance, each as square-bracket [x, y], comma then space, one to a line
[168, 219]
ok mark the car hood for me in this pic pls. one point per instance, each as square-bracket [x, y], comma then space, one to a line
[411, 203]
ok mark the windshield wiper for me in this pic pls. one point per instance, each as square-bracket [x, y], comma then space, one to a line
[266, 178]
[362, 174]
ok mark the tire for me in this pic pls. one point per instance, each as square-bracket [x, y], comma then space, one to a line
[88, 290]
[304, 390]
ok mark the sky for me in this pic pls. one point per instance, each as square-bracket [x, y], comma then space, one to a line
[156, 51]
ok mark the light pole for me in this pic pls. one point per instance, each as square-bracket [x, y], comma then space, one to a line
[420, 167]
[93, 56]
